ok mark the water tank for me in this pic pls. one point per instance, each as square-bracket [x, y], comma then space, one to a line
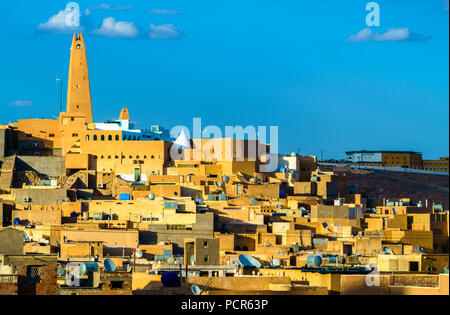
[87, 267]
[314, 261]
[151, 196]
[200, 201]
[125, 197]
[170, 279]
[16, 221]
[225, 179]
[109, 265]
[74, 214]
[282, 194]
[222, 197]
[253, 202]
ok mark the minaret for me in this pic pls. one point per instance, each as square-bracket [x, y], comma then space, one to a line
[78, 91]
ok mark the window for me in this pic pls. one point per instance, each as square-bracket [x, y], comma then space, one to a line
[74, 134]
[116, 284]
[109, 138]
[117, 137]
[205, 244]
[87, 138]
[52, 135]
[413, 266]
[206, 259]
[102, 138]
[33, 274]
[95, 137]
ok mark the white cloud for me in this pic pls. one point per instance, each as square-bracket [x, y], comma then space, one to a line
[64, 21]
[21, 103]
[111, 28]
[107, 6]
[165, 31]
[392, 35]
[164, 12]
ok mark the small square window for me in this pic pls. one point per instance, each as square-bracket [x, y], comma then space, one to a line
[33, 274]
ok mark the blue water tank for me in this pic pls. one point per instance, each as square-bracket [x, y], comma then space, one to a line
[170, 279]
[87, 267]
[314, 261]
[125, 196]
[151, 196]
[253, 202]
[74, 214]
[109, 265]
[282, 194]
[222, 197]
[16, 221]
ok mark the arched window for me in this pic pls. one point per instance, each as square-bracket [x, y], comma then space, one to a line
[95, 137]
[87, 138]
[102, 138]
[134, 138]
[109, 138]
[139, 138]
[117, 137]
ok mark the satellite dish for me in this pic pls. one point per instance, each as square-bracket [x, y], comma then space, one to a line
[196, 290]
[139, 253]
[109, 265]
[225, 179]
[249, 261]
[218, 184]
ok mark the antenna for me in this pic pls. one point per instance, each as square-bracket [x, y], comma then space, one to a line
[61, 92]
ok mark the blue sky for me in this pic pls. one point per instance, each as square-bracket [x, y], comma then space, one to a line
[289, 63]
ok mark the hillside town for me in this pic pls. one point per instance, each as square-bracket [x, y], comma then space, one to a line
[107, 208]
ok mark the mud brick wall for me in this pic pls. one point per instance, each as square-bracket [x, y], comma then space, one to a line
[46, 286]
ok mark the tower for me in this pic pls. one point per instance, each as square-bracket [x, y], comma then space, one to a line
[78, 91]
[124, 114]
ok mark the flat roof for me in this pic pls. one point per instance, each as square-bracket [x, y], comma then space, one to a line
[383, 151]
